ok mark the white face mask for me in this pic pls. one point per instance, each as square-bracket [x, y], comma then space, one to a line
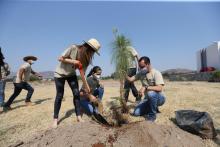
[98, 76]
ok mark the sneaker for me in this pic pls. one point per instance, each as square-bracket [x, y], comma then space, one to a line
[7, 108]
[29, 103]
[150, 119]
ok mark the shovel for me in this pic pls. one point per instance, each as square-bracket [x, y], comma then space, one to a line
[99, 117]
[96, 114]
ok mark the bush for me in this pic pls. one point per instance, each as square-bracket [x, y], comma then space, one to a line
[216, 74]
[215, 77]
[34, 78]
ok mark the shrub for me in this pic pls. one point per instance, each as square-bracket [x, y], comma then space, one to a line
[34, 78]
[215, 77]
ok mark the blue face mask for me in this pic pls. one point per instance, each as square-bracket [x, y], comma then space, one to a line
[144, 70]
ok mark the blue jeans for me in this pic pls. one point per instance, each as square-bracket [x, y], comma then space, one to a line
[87, 105]
[99, 92]
[149, 105]
[17, 90]
[2, 92]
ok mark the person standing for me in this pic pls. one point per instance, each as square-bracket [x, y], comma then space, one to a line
[152, 88]
[4, 72]
[74, 57]
[21, 81]
[133, 67]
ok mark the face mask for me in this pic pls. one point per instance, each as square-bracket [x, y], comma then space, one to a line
[144, 70]
[97, 76]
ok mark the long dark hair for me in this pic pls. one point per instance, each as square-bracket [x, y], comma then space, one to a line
[1, 57]
[85, 55]
[94, 70]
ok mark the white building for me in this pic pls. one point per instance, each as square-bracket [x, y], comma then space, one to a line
[209, 56]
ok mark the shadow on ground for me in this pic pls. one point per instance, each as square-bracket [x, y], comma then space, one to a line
[67, 115]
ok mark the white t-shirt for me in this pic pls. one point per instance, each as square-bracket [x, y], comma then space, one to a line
[132, 62]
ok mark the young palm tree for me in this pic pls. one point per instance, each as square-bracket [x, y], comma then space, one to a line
[120, 58]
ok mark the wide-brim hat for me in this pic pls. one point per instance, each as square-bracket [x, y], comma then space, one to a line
[94, 44]
[30, 58]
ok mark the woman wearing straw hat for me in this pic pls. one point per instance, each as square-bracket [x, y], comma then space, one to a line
[21, 82]
[4, 72]
[71, 59]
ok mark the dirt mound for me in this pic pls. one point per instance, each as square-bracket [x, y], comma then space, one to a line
[135, 134]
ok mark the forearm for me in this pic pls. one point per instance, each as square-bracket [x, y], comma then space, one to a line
[67, 60]
[157, 88]
[33, 72]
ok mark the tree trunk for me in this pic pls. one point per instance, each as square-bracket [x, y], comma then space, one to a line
[122, 100]
[121, 89]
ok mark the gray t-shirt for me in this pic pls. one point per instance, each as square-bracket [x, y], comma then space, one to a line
[27, 73]
[93, 83]
[152, 78]
[65, 69]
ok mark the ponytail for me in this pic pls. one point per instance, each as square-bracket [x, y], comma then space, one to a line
[94, 70]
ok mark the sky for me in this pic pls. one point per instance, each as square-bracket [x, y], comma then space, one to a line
[169, 33]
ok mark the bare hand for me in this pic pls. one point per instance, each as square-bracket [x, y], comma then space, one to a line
[87, 91]
[92, 98]
[60, 59]
[141, 91]
[101, 85]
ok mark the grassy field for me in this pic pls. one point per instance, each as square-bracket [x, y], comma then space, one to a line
[22, 122]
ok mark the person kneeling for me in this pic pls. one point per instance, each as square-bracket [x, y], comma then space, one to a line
[91, 102]
[152, 87]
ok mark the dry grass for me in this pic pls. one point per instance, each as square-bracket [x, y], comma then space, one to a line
[23, 122]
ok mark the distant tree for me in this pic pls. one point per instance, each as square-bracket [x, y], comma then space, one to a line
[34, 78]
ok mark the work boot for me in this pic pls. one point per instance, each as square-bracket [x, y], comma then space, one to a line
[7, 108]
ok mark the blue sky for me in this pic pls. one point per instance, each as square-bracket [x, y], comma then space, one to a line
[169, 33]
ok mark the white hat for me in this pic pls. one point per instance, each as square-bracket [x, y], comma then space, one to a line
[94, 44]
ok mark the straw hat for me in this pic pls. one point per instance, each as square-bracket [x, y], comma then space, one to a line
[94, 44]
[30, 58]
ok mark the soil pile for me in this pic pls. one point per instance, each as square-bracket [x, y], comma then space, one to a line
[139, 134]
